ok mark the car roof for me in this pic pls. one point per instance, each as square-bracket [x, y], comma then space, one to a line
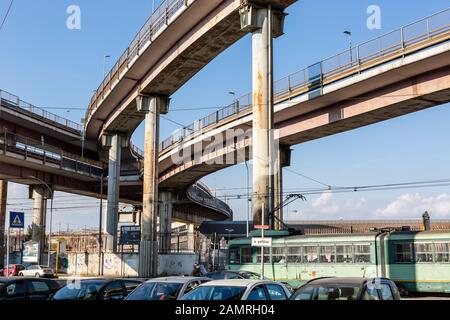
[10, 279]
[232, 271]
[342, 280]
[177, 279]
[236, 282]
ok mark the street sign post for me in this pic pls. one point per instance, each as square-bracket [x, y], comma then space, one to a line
[262, 242]
[16, 221]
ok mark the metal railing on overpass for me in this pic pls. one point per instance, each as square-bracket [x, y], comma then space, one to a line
[200, 193]
[159, 18]
[365, 55]
[34, 150]
[14, 101]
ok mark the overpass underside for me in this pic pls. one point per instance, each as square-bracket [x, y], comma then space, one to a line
[382, 93]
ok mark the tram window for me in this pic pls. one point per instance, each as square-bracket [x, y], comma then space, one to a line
[327, 254]
[442, 252]
[423, 252]
[310, 254]
[246, 255]
[266, 255]
[294, 254]
[278, 255]
[344, 254]
[362, 253]
[234, 256]
[403, 252]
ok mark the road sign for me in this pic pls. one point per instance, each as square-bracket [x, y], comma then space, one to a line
[262, 242]
[17, 220]
[261, 227]
[130, 235]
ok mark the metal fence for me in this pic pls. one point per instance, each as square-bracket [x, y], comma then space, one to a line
[37, 150]
[150, 30]
[313, 77]
[14, 101]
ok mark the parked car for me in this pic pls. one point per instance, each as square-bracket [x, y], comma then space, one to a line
[239, 289]
[97, 289]
[13, 270]
[242, 274]
[27, 288]
[166, 288]
[38, 271]
[233, 274]
[348, 289]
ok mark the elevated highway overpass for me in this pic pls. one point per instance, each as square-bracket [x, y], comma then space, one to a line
[332, 96]
[47, 152]
[401, 72]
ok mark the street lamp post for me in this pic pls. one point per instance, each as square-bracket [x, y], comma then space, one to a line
[106, 56]
[234, 100]
[229, 232]
[349, 34]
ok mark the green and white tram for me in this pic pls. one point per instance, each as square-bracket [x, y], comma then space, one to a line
[416, 261]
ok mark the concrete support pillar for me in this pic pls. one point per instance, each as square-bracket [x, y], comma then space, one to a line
[112, 209]
[283, 159]
[3, 200]
[39, 194]
[148, 251]
[165, 221]
[262, 109]
[260, 21]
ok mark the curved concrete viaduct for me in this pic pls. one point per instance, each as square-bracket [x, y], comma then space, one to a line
[163, 57]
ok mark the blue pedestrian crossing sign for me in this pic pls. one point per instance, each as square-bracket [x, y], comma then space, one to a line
[16, 220]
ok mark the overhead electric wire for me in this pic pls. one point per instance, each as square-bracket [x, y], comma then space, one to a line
[381, 187]
[6, 15]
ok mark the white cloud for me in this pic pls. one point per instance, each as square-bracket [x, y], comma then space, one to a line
[413, 205]
[325, 204]
[323, 200]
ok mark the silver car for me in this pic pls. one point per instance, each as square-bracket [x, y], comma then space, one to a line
[166, 288]
[239, 289]
[37, 271]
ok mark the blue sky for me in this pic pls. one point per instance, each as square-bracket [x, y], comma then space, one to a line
[50, 66]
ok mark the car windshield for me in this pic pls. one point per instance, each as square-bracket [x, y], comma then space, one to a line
[87, 290]
[156, 291]
[223, 293]
[327, 292]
